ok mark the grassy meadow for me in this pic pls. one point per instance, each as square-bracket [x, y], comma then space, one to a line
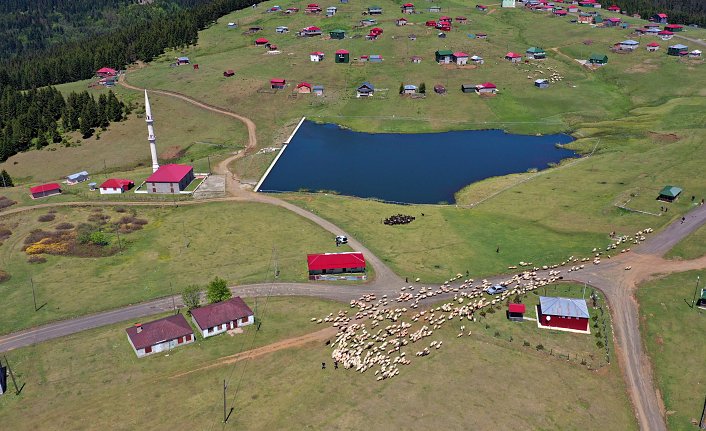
[673, 334]
[691, 247]
[288, 390]
[178, 247]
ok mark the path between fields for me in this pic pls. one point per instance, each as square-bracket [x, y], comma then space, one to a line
[318, 336]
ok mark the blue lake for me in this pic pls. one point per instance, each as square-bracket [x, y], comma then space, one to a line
[411, 168]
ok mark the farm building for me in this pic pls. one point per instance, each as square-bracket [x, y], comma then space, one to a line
[563, 313]
[232, 25]
[486, 88]
[585, 18]
[516, 312]
[481, 7]
[652, 46]
[331, 10]
[214, 319]
[508, 3]
[460, 58]
[416, 59]
[115, 186]
[401, 21]
[159, 335]
[695, 54]
[182, 60]
[282, 29]
[513, 57]
[261, 41]
[560, 12]
[614, 8]
[337, 34]
[366, 89]
[573, 9]
[228, 73]
[468, 88]
[461, 19]
[335, 263]
[318, 90]
[342, 56]
[541, 83]
[409, 89]
[677, 49]
[367, 22]
[407, 8]
[675, 28]
[310, 31]
[598, 59]
[171, 178]
[76, 178]
[477, 59]
[106, 72]
[277, 83]
[375, 58]
[430, 23]
[316, 56]
[313, 8]
[439, 89]
[665, 34]
[660, 18]
[611, 22]
[536, 53]
[435, 9]
[303, 88]
[45, 190]
[629, 45]
[444, 56]
[374, 10]
[669, 194]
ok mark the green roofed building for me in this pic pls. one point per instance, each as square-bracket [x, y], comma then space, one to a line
[669, 193]
[337, 34]
[536, 53]
[444, 56]
[598, 59]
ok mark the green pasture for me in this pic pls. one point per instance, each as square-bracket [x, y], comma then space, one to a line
[179, 246]
[673, 334]
[691, 247]
[287, 389]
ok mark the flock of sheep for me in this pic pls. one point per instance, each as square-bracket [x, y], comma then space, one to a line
[363, 344]
[554, 75]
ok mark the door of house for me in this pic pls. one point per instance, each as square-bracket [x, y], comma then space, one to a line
[148, 349]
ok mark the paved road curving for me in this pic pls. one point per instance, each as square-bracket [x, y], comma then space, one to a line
[610, 277]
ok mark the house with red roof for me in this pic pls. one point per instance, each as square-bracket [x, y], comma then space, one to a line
[430, 23]
[564, 314]
[313, 8]
[106, 72]
[673, 27]
[311, 31]
[611, 22]
[461, 19]
[516, 312]
[660, 18]
[261, 41]
[652, 46]
[316, 56]
[277, 83]
[401, 21]
[342, 56]
[115, 186]
[303, 88]
[159, 335]
[335, 263]
[407, 8]
[560, 12]
[171, 179]
[573, 8]
[614, 8]
[513, 57]
[216, 318]
[460, 58]
[481, 7]
[486, 88]
[45, 190]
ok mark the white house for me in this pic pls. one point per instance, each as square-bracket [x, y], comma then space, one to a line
[159, 335]
[76, 178]
[316, 56]
[630, 45]
[214, 319]
[115, 186]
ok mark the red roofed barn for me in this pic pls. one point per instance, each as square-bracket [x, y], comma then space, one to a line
[45, 190]
[216, 318]
[159, 335]
[170, 179]
[115, 186]
[335, 263]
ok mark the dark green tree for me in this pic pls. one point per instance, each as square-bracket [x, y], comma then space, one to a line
[401, 88]
[191, 296]
[422, 88]
[218, 291]
[5, 180]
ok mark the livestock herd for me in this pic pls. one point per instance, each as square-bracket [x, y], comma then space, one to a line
[362, 343]
[398, 219]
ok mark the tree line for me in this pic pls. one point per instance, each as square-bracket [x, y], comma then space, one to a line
[143, 38]
[679, 11]
[35, 118]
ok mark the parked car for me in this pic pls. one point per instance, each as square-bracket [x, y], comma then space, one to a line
[494, 290]
[341, 239]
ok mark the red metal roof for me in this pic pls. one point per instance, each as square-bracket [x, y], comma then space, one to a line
[221, 312]
[116, 183]
[662, 15]
[335, 260]
[653, 44]
[304, 84]
[158, 331]
[106, 71]
[276, 81]
[516, 308]
[665, 32]
[317, 53]
[460, 54]
[45, 188]
[169, 173]
[488, 85]
[312, 28]
[513, 55]
[673, 26]
[408, 5]
[261, 40]
[342, 51]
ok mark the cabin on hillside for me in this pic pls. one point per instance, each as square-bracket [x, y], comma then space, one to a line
[409, 89]
[106, 72]
[318, 90]
[660, 18]
[486, 88]
[598, 59]
[435, 9]
[337, 34]
[513, 57]
[695, 54]
[282, 29]
[444, 56]
[677, 50]
[675, 28]
[159, 335]
[278, 83]
[611, 22]
[316, 56]
[342, 56]
[652, 46]
[477, 60]
[401, 21]
[541, 83]
[45, 190]
[536, 53]
[628, 45]
[261, 42]
[585, 18]
[182, 60]
[407, 8]
[374, 10]
[331, 10]
[460, 58]
[366, 89]
[115, 186]
[669, 194]
[76, 178]
[303, 88]
[310, 31]
[461, 19]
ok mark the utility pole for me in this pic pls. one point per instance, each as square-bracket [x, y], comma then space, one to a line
[225, 416]
[34, 295]
[120, 246]
[693, 302]
[12, 375]
[209, 163]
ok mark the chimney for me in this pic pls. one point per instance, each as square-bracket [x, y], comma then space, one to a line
[139, 327]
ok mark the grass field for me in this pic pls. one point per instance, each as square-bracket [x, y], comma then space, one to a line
[691, 247]
[288, 390]
[178, 247]
[123, 147]
[673, 333]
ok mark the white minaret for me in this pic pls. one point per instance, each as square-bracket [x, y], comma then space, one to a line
[150, 133]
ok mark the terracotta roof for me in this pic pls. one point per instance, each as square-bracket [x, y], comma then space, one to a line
[172, 173]
[221, 312]
[45, 188]
[336, 260]
[157, 331]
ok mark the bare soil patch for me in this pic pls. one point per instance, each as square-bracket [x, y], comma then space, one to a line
[664, 137]
[173, 153]
[46, 217]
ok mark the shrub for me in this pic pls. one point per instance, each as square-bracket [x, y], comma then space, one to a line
[64, 226]
[46, 217]
[99, 238]
[4, 233]
[218, 291]
[36, 259]
[491, 310]
[526, 343]
[5, 202]
[539, 347]
[497, 334]
[599, 344]
[4, 276]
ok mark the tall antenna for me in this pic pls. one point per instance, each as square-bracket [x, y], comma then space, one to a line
[150, 133]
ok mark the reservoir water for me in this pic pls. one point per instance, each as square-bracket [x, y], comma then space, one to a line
[410, 168]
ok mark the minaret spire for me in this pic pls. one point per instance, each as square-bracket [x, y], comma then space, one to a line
[150, 133]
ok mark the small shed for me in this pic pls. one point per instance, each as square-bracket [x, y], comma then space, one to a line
[669, 194]
[476, 59]
[318, 90]
[486, 88]
[115, 186]
[366, 89]
[337, 34]
[261, 41]
[629, 45]
[375, 58]
[182, 60]
[443, 56]
[374, 10]
[331, 10]
[695, 54]
[665, 34]
[513, 57]
[598, 59]
[232, 25]
[541, 83]
[468, 88]
[701, 302]
[677, 49]
[316, 56]
[401, 21]
[409, 89]
[516, 312]
[460, 58]
[303, 88]
[439, 89]
[342, 56]
[660, 18]
[282, 29]
[407, 8]
[45, 190]
[536, 53]
[430, 23]
[228, 73]
[461, 19]
[435, 9]
[277, 83]
[416, 59]
[652, 46]
[76, 178]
